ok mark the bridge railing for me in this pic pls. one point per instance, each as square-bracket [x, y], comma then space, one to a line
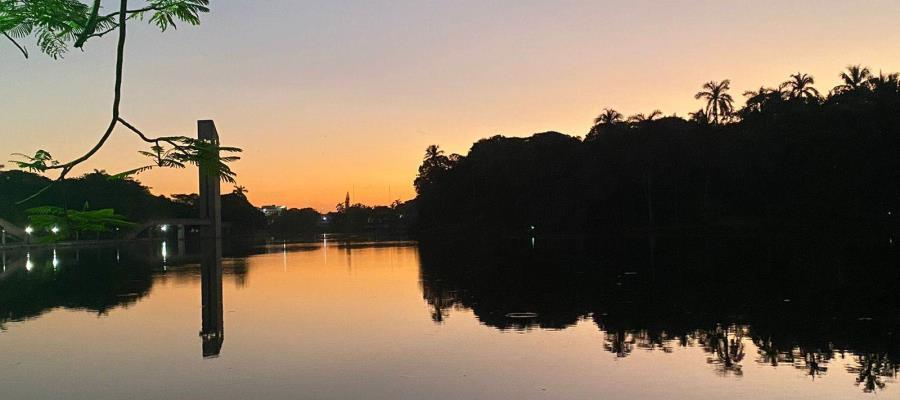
[179, 223]
[8, 229]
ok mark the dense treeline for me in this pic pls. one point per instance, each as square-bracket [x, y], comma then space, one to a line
[346, 219]
[135, 202]
[128, 197]
[91, 191]
[791, 157]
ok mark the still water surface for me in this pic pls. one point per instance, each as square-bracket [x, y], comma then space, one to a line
[401, 320]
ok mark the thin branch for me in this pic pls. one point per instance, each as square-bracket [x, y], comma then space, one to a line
[22, 49]
[172, 140]
[145, 137]
[130, 12]
[38, 193]
[101, 34]
[117, 98]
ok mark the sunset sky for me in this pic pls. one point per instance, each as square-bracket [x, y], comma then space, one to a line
[332, 96]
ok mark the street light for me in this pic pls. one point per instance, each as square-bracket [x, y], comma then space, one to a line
[164, 228]
[54, 229]
[29, 230]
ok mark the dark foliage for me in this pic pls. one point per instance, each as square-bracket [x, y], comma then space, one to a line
[801, 300]
[788, 159]
[95, 190]
[240, 215]
[353, 219]
[127, 197]
[295, 222]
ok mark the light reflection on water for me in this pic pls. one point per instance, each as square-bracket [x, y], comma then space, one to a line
[396, 320]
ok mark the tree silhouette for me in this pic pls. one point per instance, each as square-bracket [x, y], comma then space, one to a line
[700, 117]
[759, 99]
[885, 84]
[641, 118]
[854, 78]
[240, 191]
[433, 152]
[800, 87]
[784, 162]
[609, 116]
[719, 104]
[434, 163]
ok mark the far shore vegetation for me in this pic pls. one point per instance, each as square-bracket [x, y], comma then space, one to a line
[792, 156]
[93, 206]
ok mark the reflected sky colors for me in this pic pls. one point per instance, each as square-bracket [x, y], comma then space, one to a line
[337, 96]
[304, 321]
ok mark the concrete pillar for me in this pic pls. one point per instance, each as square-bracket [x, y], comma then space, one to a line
[210, 209]
[212, 330]
[181, 249]
[210, 202]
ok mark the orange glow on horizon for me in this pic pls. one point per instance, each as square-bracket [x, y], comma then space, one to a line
[335, 98]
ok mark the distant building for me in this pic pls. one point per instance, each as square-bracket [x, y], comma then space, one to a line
[273, 210]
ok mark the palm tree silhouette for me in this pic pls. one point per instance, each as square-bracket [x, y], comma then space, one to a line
[639, 118]
[719, 103]
[608, 117]
[800, 87]
[855, 77]
[761, 92]
[882, 83]
[433, 151]
[756, 100]
[240, 191]
[700, 117]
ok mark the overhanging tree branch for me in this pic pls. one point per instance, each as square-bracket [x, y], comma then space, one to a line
[22, 49]
[117, 99]
[59, 21]
[171, 140]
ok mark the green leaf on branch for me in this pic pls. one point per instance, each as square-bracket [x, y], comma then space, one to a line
[39, 162]
[182, 151]
[55, 24]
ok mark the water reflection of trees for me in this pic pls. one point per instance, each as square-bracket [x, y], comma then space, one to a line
[726, 348]
[785, 302]
[93, 279]
[90, 280]
[872, 369]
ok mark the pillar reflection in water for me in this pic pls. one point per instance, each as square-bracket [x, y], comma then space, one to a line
[213, 327]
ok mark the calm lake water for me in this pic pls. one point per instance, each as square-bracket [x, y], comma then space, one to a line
[571, 319]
